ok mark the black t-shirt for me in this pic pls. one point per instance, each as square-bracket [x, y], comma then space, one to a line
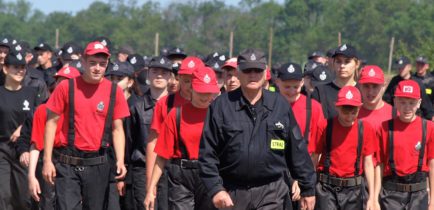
[14, 108]
[327, 95]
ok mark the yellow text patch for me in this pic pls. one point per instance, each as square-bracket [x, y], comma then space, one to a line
[277, 144]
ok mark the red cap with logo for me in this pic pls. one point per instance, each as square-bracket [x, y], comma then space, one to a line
[231, 63]
[371, 74]
[350, 96]
[408, 89]
[190, 64]
[95, 48]
[67, 72]
[204, 80]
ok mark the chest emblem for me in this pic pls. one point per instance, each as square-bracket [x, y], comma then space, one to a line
[100, 106]
[277, 144]
[418, 146]
[279, 125]
[26, 105]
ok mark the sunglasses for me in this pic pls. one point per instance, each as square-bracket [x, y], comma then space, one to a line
[248, 71]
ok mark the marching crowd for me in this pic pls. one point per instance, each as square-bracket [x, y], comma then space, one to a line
[89, 129]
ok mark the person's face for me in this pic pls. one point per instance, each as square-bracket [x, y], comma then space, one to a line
[220, 79]
[320, 59]
[231, 79]
[124, 82]
[345, 67]
[407, 108]
[3, 52]
[202, 100]
[173, 85]
[405, 71]
[421, 68]
[290, 89]
[94, 67]
[252, 79]
[44, 57]
[122, 57]
[159, 78]
[347, 115]
[185, 84]
[371, 93]
[15, 73]
[308, 84]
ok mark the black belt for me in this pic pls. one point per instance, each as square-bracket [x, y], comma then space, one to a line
[187, 164]
[340, 182]
[400, 187]
[77, 161]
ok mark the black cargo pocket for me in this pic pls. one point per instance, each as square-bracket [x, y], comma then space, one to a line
[232, 134]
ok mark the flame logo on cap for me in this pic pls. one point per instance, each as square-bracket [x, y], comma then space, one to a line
[215, 54]
[349, 95]
[222, 57]
[41, 45]
[79, 65]
[207, 79]
[400, 62]
[104, 42]
[343, 48]
[98, 46]
[253, 57]
[290, 69]
[133, 60]
[407, 89]
[19, 56]
[323, 75]
[191, 64]
[5, 40]
[67, 70]
[371, 73]
[18, 48]
[69, 50]
[216, 66]
[178, 50]
[162, 61]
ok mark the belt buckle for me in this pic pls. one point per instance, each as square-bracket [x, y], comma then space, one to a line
[407, 187]
[182, 163]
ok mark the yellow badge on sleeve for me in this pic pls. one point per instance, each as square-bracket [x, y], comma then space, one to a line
[428, 91]
[277, 144]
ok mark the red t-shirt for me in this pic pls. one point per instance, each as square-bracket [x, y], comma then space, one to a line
[405, 140]
[38, 128]
[192, 120]
[344, 147]
[299, 109]
[160, 110]
[91, 106]
[376, 117]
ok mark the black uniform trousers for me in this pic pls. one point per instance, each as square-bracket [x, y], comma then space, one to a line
[135, 192]
[13, 180]
[271, 196]
[82, 187]
[186, 190]
[403, 200]
[329, 197]
[48, 195]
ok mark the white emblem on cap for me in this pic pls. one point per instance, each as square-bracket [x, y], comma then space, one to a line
[207, 79]
[400, 62]
[407, 89]
[19, 56]
[175, 65]
[14, 41]
[371, 73]
[133, 60]
[41, 45]
[178, 50]
[5, 40]
[162, 61]
[191, 64]
[215, 54]
[67, 70]
[349, 95]
[104, 42]
[216, 66]
[18, 48]
[253, 57]
[79, 65]
[418, 146]
[313, 65]
[323, 76]
[98, 46]
[290, 69]
[100, 106]
[60, 52]
[115, 67]
[26, 105]
[69, 50]
[343, 48]
[222, 57]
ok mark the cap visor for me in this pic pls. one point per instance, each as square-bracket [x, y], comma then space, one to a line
[201, 88]
[348, 103]
[371, 81]
[251, 65]
[298, 77]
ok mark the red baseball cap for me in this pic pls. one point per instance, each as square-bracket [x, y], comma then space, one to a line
[67, 72]
[371, 74]
[204, 80]
[190, 64]
[95, 48]
[408, 89]
[231, 63]
[349, 95]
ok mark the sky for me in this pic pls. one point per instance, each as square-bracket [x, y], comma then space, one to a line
[48, 6]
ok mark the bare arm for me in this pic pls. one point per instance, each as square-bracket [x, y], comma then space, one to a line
[156, 174]
[119, 146]
[151, 156]
[369, 174]
[34, 187]
[48, 170]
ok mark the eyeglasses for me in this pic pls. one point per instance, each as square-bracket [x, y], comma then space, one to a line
[248, 71]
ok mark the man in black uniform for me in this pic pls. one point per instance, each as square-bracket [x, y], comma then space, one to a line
[427, 78]
[45, 53]
[403, 65]
[250, 139]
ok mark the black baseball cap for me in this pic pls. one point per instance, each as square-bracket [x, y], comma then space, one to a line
[104, 41]
[77, 64]
[330, 53]
[346, 50]
[126, 49]
[422, 59]
[15, 57]
[161, 62]
[310, 66]
[401, 62]
[123, 69]
[290, 71]
[69, 49]
[216, 63]
[5, 42]
[176, 52]
[315, 54]
[137, 61]
[251, 59]
[43, 47]
[321, 75]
